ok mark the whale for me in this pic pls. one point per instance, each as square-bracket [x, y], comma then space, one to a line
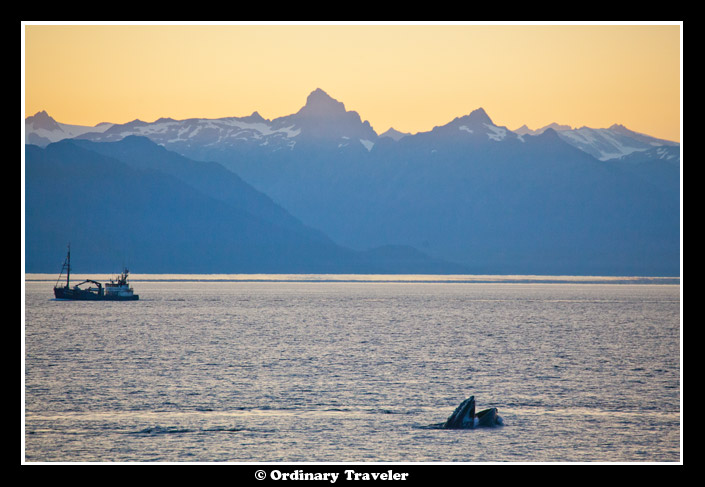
[464, 417]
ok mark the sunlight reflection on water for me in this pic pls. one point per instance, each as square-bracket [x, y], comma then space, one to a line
[338, 370]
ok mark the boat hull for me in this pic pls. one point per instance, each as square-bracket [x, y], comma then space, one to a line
[84, 295]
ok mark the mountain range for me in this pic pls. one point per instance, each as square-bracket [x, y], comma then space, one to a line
[134, 203]
[486, 198]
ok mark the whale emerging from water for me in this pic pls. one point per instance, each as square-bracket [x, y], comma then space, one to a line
[464, 417]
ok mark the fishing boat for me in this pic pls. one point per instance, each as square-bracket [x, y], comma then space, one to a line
[115, 290]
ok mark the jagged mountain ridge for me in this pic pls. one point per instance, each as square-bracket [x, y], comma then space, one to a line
[313, 119]
[614, 142]
[468, 191]
[322, 119]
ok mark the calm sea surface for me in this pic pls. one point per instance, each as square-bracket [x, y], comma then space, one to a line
[338, 370]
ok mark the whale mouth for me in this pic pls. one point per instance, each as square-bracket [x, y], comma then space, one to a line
[464, 416]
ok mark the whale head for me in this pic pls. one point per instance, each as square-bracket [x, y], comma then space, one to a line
[464, 415]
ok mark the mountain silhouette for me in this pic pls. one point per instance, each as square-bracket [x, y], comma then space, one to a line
[573, 201]
[133, 202]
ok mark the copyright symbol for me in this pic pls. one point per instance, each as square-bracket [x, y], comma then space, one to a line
[260, 474]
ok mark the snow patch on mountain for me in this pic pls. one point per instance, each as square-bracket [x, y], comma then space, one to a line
[495, 133]
[601, 143]
[664, 153]
[368, 144]
[615, 142]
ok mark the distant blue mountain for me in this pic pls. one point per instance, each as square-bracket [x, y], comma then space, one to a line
[134, 203]
[469, 191]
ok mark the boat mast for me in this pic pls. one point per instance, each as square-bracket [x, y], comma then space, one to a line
[68, 265]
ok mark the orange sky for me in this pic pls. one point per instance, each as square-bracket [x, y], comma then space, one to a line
[410, 77]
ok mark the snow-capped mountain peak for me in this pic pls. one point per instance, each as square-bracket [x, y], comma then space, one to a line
[611, 143]
[321, 119]
[604, 144]
[325, 121]
[41, 129]
[478, 125]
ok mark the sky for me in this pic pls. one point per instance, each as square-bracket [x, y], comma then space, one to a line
[409, 77]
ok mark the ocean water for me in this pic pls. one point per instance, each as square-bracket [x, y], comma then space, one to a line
[321, 369]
